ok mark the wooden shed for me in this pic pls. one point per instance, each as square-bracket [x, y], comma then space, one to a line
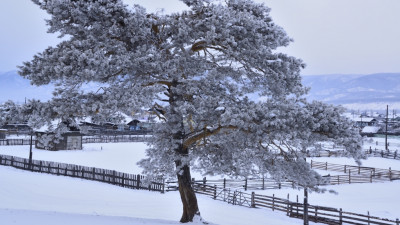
[69, 141]
[3, 133]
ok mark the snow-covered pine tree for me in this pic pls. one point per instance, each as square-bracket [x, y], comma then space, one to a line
[199, 71]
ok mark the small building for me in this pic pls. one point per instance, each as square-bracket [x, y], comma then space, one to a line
[3, 133]
[134, 125]
[365, 121]
[370, 131]
[69, 141]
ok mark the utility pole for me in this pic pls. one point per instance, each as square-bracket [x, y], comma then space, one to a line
[387, 120]
[305, 216]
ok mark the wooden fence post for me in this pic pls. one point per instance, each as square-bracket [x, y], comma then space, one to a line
[93, 174]
[326, 165]
[138, 181]
[253, 200]
[305, 210]
[12, 160]
[297, 205]
[215, 191]
[263, 183]
[311, 163]
[370, 179]
[349, 176]
[390, 173]
[40, 166]
[273, 202]
[287, 205]
[344, 168]
[368, 218]
[58, 169]
[340, 216]
[163, 186]
[245, 184]
[224, 183]
[397, 222]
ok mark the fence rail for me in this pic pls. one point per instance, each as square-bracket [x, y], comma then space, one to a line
[16, 142]
[109, 139]
[126, 180]
[246, 184]
[356, 174]
[317, 214]
[85, 140]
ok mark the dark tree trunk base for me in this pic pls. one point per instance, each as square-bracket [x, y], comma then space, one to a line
[188, 196]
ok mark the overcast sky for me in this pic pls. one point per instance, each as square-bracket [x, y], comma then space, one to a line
[331, 36]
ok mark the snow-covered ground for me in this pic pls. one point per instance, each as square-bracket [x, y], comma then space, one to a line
[51, 197]
[33, 198]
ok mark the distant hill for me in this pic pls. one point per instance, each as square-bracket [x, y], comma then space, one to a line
[353, 91]
[14, 87]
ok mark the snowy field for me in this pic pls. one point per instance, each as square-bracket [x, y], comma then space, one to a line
[44, 197]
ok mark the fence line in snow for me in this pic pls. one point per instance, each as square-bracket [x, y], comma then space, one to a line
[85, 140]
[356, 174]
[126, 180]
[317, 214]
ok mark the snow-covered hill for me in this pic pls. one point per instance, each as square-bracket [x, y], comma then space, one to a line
[14, 87]
[355, 90]
[372, 91]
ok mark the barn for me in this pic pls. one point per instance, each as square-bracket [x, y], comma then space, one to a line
[69, 141]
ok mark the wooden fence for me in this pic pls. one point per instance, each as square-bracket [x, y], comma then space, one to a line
[356, 174]
[109, 139]
[383, 153]
[242, 184]
[317, 214]
[16, 142]
[89, 173]
[85, 140]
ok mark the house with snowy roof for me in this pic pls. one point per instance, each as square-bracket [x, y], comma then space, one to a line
[362, 122]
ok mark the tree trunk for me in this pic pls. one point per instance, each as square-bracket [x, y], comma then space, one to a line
[188, 197]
